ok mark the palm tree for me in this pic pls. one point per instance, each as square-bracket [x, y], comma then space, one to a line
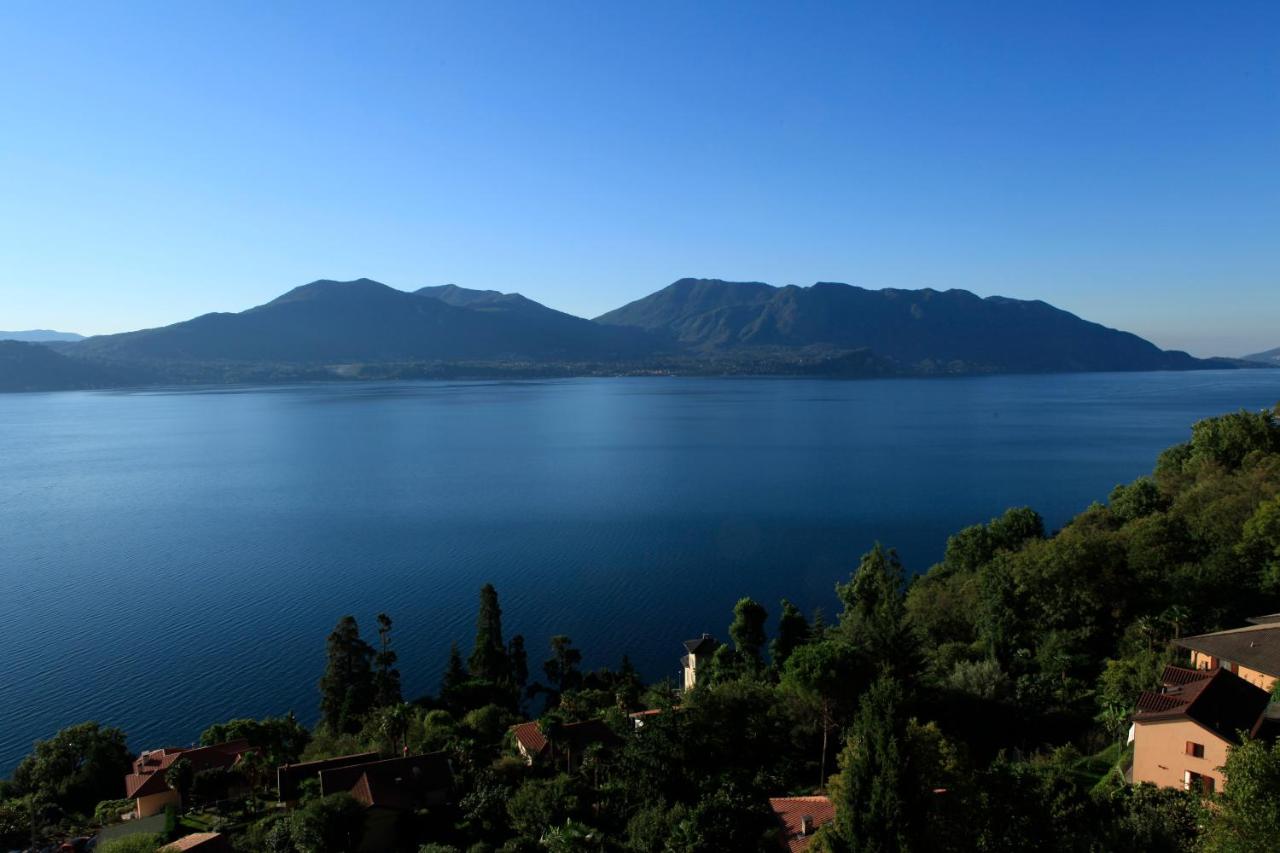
[393, 724]
[254, 767]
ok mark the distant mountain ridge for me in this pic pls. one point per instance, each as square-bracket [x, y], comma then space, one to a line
[365, 329]
[1271, 356]
[919, 329]
[40, 336]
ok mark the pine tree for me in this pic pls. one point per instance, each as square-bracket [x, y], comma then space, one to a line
[387, 678]
[747, 631]
[489, 657]
[455, 675]
[793, 632]
[346, 689]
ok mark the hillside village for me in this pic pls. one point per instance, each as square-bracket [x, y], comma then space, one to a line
[1107, 686]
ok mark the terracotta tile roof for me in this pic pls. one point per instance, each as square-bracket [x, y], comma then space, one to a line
[290, 776]
[1254, 646]
[205, 842]
[530, 736]
[791, 812]
[1221, 702]
[150, 767]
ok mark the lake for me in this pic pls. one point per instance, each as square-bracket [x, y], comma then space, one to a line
[173, 558]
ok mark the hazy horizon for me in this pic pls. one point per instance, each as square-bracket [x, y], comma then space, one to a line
[1119, 163]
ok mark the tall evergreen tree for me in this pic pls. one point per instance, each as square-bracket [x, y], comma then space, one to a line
[489, 657]
[455, 674]
[874, 615]
[747, 631]
[519, 661]
[878, 804]
[793, 632]
[346, 689]
[562, 667]
[387, 678]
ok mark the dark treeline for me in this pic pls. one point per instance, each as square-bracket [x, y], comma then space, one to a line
[980, 706]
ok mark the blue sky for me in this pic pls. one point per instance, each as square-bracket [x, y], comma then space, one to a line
[1120, 160]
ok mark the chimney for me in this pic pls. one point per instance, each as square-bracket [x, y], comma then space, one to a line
[806, 826]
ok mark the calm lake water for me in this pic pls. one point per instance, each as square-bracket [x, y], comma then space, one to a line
[169, 559]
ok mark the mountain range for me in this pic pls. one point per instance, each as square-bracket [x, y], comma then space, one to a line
[1271, 356]
[365, 329]
[40, 336]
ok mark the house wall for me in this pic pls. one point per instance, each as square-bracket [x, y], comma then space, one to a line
[691, 672]
[1160, 753]
[1200, 660]
[153, 804]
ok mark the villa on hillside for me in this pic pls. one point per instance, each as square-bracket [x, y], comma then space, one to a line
[800, 818]
[696, 652]
[290, 777]
[1181, 733]
[147, 787]
[1251, 652]
[574, 739]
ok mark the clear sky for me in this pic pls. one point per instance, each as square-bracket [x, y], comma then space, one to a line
[1120, 160]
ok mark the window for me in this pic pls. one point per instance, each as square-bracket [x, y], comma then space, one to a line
[1192, 781]
[1195, 750]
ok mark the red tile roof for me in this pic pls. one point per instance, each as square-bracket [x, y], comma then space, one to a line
[205, 842]
[1221, 702]
[150, 767]
[290, 776]
[530, 736]
[791, 812]
[393, 782]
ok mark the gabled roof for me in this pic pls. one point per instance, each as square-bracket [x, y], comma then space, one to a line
[1223, 703]
[1254, 646]
[150, 767]
[791, 811]
[391, 782]
[576, 736]
[704, 645]
[290, 776]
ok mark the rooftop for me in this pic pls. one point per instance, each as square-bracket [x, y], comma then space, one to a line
[791, 812]
[1254, 646]
[205, 842]
[1223, 703]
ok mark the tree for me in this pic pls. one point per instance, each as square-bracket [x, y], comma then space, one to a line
[874, 615]
[822, 676]
[386, 681]
[282, 739]
[346, 689]
[77, 768]
[489, 657]
[256, 768]
[747, 631]
[793, 632]
[180, 776]
[455, 674]
[332, 824]
[878, 804]
[1247, 816]
[562, 667]
[519, 661]
[540, 804]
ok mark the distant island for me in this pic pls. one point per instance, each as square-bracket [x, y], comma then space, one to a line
[366, 330]
[40, 336]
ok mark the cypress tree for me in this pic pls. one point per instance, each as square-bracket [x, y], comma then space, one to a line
[519, 661]
[387, 678]
[346, 689]
[489, 657]
[455, 675]
[874, 615]
[793, 632]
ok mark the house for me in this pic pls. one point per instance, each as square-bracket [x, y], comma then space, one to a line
[1182, 732]
[801, 817]
[573, 740]
[147, 787]
[289, 777]
[389, 789]
[639, 718]
[696, 652]
[1251, 652]
[205, 842]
